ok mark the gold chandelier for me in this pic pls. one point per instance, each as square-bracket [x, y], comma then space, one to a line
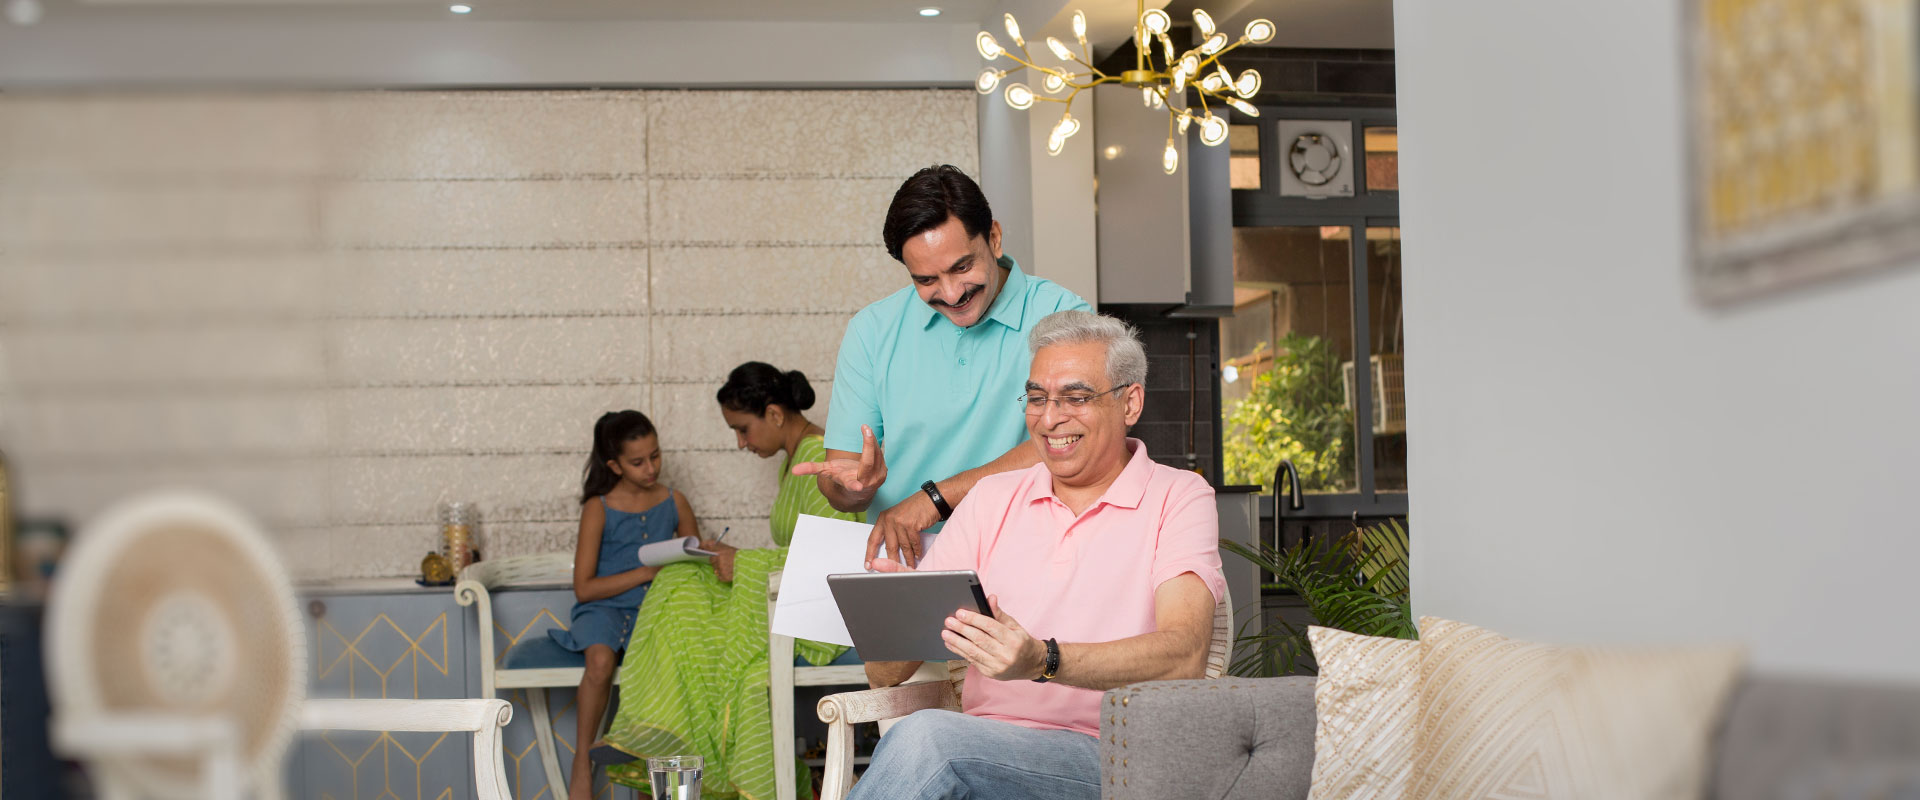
[1159, 86]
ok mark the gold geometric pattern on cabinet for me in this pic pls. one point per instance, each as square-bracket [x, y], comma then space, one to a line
[395, 660]
[350, 651]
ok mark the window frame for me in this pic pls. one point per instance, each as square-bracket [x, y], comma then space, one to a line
[1264, 207]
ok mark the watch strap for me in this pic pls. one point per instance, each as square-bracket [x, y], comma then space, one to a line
[939, 502]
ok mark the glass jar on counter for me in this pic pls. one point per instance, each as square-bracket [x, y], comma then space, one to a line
[457, 522]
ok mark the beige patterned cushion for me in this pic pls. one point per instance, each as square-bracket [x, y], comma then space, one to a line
[1367, 708]
[1466, 713]
[1502, 718]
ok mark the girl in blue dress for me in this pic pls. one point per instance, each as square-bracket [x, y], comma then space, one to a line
[622, 506]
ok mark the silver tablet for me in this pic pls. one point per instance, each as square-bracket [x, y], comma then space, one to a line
[898, 616]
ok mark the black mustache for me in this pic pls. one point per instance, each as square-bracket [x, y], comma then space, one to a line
[963, 298]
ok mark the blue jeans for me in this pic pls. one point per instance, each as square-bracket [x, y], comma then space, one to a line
[946, 754]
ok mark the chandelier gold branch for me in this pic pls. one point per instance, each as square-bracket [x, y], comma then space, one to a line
[1159, 83]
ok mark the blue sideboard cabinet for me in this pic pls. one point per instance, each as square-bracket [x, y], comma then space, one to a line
[388, 639]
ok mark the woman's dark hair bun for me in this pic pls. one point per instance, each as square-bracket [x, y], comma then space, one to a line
[753, 386]
[799, 390]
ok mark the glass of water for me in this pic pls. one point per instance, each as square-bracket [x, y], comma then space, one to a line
[675, 777]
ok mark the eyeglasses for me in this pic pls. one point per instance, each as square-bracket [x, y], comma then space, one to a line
[1035, 404]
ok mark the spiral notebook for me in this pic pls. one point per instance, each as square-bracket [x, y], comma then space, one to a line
[672, 551]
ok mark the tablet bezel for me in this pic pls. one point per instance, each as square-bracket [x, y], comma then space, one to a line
[898, 616]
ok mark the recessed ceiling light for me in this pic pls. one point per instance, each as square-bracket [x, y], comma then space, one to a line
[460, 9]
[24, 12]
[930, 11]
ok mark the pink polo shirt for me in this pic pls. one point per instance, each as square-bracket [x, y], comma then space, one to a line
[1087, 579]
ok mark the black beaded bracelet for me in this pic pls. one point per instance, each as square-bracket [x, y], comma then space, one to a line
[1053, 663]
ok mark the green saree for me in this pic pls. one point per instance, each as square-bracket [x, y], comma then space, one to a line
[694, 680]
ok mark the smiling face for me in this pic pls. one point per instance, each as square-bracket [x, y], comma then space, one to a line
[639, 462]
[959, 276]
[1084, 446]
[756, 433]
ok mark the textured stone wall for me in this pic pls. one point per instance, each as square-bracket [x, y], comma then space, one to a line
[344, 309]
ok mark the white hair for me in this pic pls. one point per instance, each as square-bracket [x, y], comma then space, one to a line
[1126, 357]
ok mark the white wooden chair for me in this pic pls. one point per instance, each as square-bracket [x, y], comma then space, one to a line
[535, 663]
[178, 663]
[786, 674]
[842, 711]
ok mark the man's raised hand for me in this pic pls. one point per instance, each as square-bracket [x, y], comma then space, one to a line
[860, 476]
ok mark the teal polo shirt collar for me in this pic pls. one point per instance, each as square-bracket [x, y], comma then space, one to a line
[1008, 308]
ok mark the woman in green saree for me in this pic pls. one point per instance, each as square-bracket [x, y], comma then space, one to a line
[694, 681]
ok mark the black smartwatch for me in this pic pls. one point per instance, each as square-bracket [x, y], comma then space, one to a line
[939, 503]
[1053, 663]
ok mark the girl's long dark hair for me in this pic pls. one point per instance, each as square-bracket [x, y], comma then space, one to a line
[753, 386]
[611, 433]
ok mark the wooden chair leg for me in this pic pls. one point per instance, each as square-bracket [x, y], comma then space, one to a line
[780, 697]
[543, 741]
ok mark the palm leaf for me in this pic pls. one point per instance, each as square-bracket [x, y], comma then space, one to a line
[1356, 583]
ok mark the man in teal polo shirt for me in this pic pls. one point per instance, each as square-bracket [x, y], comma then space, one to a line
[927, 389]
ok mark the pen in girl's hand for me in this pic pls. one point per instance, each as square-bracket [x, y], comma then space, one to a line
[723, 534]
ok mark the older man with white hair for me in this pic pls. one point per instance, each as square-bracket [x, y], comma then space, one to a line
[1102, 568]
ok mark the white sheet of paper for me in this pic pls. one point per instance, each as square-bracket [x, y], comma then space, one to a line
[821, 547]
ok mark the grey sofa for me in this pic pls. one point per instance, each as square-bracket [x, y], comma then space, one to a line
[1247, 738]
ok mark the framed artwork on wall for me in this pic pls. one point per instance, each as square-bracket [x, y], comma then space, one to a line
[1803, 141]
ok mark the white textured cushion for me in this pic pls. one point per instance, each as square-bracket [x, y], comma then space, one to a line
[1502, 718]
[1466, 713]
[1366, 712]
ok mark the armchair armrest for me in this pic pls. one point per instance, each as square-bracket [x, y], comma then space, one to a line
[478, 580]
[841, 711]
[485, 718]
[873, 705]
[1227, 738]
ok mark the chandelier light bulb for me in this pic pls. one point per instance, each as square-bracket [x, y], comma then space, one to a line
[1055, 143]
[1243, 106]
[1080, 28]
[1203, 21]
[1249, 83]
[1190, 64]
[1166, 47]
[1053, 83]
[1211, 83]
[1260, 31]
[1226, 78]
[1013, 32]
[1156, 21]
[1019, 96]
[1186, 118]
[1170, 158]
[1158, 101]
[1068, 126]
[988, 79]
[1180, 78]
[989, 48]
[1214, 44]
[1213, 130]
[1146, 96]
[1059, 49]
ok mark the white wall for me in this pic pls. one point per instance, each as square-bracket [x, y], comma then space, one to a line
[343, 309]
[1595, 455]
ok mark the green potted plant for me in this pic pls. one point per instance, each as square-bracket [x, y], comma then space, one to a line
[1295, 409]
[1356, 583]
